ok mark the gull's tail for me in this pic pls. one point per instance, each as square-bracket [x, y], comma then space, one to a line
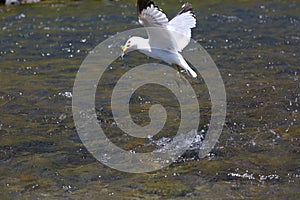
[185, 66]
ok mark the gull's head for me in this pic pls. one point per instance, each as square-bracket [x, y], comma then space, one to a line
[126, 47]
[131, 44]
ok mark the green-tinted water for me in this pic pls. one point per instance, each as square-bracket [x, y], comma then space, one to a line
[255, 44]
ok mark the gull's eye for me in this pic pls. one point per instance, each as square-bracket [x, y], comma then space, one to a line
[128, 45]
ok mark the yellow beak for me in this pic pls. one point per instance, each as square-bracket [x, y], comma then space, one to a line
[124, 49]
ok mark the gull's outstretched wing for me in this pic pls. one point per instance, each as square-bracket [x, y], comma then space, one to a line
[150, 15]
[171, 35]
[155, 22]
[181, 25]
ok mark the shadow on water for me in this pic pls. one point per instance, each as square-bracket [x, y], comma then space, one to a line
[255, 45]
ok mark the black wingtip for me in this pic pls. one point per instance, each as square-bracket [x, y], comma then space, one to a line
[143, 4]
[185, 8]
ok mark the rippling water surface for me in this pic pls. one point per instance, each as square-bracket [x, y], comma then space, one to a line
[255, 45]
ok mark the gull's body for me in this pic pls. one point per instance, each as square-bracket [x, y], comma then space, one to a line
[165, 38]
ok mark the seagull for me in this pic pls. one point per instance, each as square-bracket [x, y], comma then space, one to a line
[166, 38]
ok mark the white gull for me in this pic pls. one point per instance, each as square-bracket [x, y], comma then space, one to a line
[166, 39]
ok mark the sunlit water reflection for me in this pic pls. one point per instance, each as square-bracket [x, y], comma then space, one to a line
[254, 44]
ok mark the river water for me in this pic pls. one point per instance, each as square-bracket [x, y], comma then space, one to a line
[255, 45]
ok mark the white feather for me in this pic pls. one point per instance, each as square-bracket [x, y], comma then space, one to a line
[165, 38]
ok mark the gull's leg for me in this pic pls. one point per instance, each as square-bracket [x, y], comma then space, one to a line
[178, 69]
[181, 78]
